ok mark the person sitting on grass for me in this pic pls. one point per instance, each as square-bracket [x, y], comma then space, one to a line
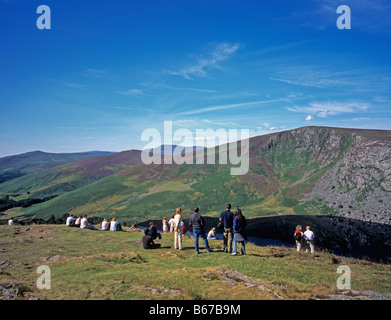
[135, 225]
[105, 225]
[85, 224]
[148, 241]
[115, 225]
[184, 231]
[78, 221]
[70, 221]
[212, 234]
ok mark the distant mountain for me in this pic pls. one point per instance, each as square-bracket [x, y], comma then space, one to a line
[18, 165]
[96, 152]
[305, 171]
[167, 149]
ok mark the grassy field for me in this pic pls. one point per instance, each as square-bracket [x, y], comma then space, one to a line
[87, 264]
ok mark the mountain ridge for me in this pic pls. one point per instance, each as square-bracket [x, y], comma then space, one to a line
[308, 170]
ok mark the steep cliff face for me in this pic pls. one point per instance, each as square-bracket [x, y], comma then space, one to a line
[359, 185]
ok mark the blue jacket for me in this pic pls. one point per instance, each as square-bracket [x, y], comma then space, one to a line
[239, 227]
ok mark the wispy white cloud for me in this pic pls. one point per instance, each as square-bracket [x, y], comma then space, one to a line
[200, 90]
[325, 109]
[361, 119]
[132, 92]
[231, 106]
[276, 128]
[309, 118]
[330, 77]
[298, 83]
[162, 85]
[202, 65]
[281, 47]
[94, 73]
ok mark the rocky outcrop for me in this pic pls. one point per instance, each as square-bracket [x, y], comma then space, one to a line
[359, 185]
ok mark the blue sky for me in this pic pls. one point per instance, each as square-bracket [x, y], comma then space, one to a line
[106, 71]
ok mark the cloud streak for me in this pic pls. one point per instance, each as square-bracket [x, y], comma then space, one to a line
[325, 109]
[201, 67]
[231, 106]
[132, 92]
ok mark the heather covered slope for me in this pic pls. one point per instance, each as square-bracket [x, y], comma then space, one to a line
[307, 171]
[64, 179]
[15, 166]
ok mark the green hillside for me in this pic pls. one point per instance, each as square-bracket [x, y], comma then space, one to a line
[287, 173]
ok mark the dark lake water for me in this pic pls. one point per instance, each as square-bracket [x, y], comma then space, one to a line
[263, 242]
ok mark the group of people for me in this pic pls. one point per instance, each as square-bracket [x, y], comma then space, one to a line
[304, 239]
[176, 225]
[234, 225]
[83, 223]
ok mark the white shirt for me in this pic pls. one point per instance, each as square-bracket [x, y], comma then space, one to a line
[211, 234]
[177, 221]
[113, 225]
[104, 225]
[309, 235]
[171, 222]
[83, 222]
[69, 219]
[10, 222]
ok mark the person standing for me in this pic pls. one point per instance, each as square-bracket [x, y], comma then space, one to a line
[171, 223]
[298, 236]
[197, 222]
[309, 238]
[227, 217]
[165, 225]
[178, 229]
[239, 230]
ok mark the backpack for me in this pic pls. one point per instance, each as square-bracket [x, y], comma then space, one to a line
[297, 236]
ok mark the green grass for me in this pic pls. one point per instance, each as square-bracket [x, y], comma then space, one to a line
[113, 265]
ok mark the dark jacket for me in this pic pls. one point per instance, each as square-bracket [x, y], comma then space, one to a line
[147, 241]
[153, 232]
[240, 226]
[196, 221]
[228, 218]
